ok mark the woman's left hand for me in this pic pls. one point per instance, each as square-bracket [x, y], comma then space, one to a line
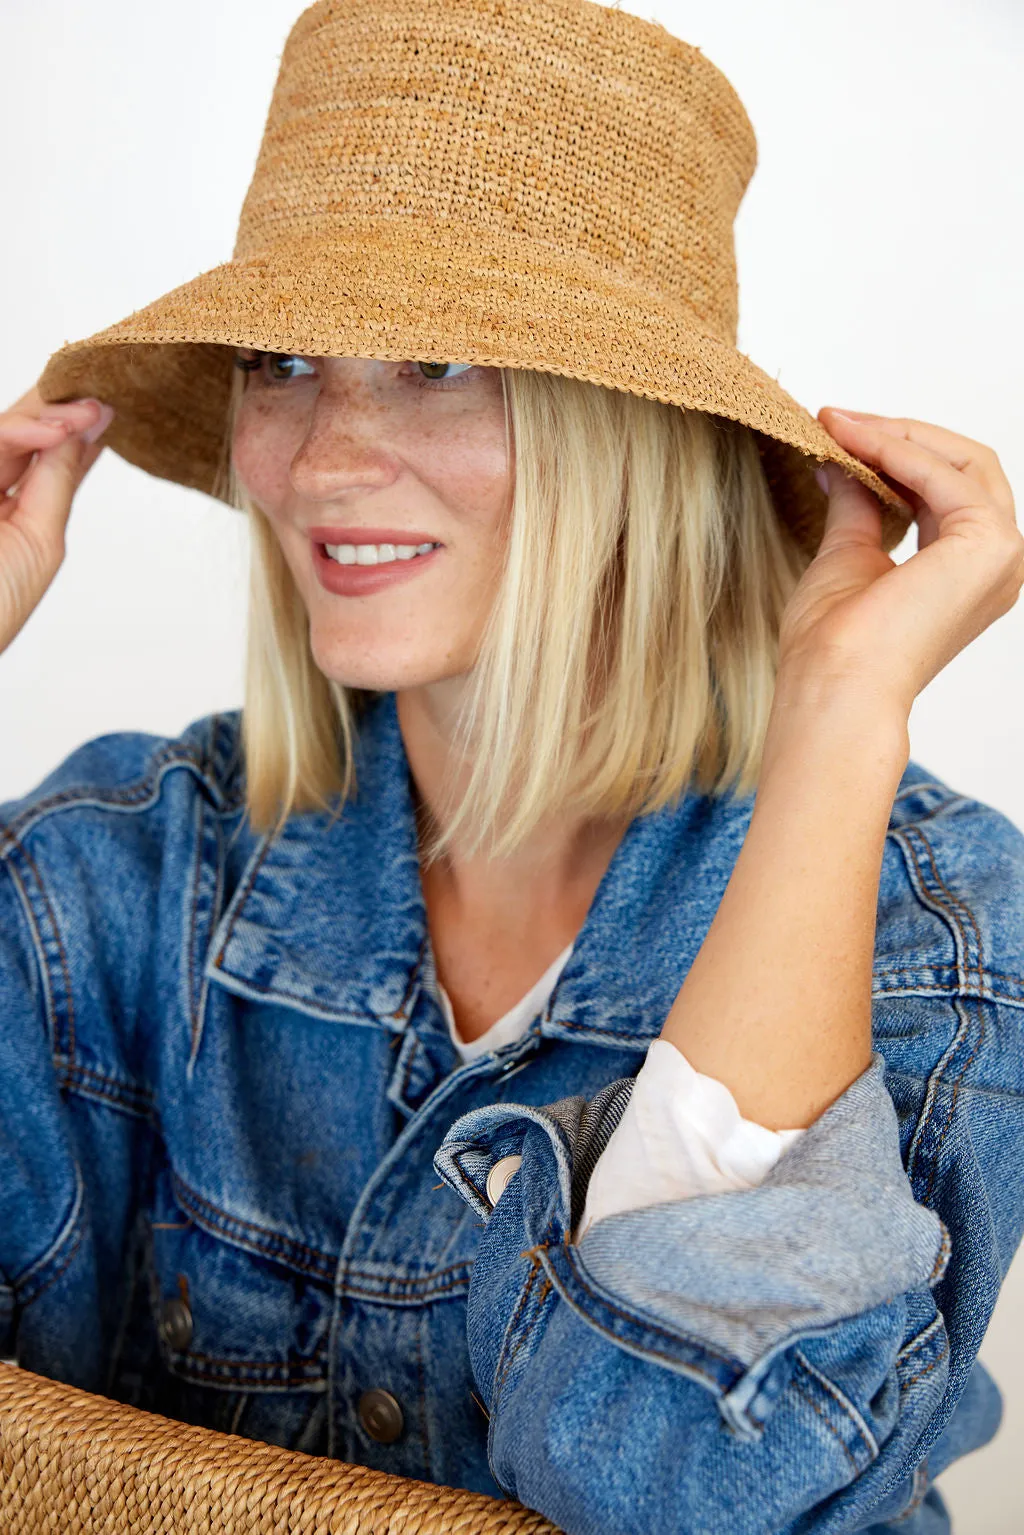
[858, 616]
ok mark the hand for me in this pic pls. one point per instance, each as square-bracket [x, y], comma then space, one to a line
[856, 615]
[45, 451]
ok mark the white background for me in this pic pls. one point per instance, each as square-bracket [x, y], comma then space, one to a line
[879, 251]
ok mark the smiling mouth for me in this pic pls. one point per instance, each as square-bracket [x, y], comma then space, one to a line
[376, 554]
[364, 576]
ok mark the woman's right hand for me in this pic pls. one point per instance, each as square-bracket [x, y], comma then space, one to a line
[36, 494]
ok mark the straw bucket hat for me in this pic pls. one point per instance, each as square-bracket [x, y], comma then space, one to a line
[545, 184]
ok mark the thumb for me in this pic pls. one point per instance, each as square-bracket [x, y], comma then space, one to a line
[854, 513]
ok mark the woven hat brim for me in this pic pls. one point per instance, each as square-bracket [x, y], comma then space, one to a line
[376, 289]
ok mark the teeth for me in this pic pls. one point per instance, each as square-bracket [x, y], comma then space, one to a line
[375, 554]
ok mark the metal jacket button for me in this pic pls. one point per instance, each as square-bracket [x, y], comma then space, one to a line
[499, 1175]
[176, 1324]
[380, 1415]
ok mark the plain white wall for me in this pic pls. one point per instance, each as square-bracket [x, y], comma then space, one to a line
[879, 251]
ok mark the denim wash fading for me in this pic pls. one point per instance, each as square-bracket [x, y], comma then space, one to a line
[224, 1083]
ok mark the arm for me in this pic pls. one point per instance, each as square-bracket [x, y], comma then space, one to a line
[777, 1004]
[796, 931]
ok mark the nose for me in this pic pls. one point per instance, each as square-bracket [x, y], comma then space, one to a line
[345, 444]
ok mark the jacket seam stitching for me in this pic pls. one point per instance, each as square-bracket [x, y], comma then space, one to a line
[953, 910]
[201, 1204]
[276, 1375]
[514, 1341]
[284, 1244]
[928, 815]
[429, 1292]
[69, 1235]
[241, 899]
[107, 1088]
[926, 1369]
[803, 1392]
[921, 1339]
[74, 1243]
[957, 901]
[197, 875]
[457, 1157]
[648, 1326]
[7, 832]
[146, 787]
[984, 976]
[400, 1010]
[842, 1401]
[316, 1359]
[944, 1247]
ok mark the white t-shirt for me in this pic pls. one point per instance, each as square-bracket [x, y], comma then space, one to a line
[681, 1134]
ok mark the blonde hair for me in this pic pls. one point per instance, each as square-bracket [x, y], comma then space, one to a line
[630, 653]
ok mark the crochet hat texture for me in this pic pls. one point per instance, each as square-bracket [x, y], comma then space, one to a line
[545, 184]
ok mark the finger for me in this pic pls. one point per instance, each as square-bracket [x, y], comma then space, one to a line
[974, 459]
[43, 501]
[854, 513]
[20, 437]
[81, 411]
[23, 439]
[924, 518]
[945, 488]
[964, 452]
[23, 432]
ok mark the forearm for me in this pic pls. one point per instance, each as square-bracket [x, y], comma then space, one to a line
[777, 1004]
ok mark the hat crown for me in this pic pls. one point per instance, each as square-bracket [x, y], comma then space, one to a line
[580, 127]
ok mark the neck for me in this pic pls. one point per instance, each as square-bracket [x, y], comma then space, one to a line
[551, 876]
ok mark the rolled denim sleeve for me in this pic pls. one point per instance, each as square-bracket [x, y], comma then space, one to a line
[723, 1361]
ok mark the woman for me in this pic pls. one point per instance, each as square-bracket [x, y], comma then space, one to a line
[613, 784]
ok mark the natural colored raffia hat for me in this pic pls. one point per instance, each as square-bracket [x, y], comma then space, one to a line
[545, 184]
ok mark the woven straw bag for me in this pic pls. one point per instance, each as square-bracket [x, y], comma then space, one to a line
[81, 1465]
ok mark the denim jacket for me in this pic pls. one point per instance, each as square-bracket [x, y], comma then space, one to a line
[244, 1177]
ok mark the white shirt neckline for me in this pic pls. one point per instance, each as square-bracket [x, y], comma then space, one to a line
[511, 1025]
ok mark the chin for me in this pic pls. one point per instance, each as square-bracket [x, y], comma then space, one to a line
[382, 674]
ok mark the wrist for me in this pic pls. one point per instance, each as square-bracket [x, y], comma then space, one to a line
[861, 720]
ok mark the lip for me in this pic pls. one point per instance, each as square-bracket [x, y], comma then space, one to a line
[363, 580]
[338, 535]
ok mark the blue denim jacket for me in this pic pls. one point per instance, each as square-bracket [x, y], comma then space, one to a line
[243, 1176]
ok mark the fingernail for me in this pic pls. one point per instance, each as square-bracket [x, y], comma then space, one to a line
[90, 433]
[856, 416]
[822, 478]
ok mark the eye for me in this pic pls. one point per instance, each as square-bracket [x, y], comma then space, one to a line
[279, 367]
[252, 361]
[440, 383]
[286, 360]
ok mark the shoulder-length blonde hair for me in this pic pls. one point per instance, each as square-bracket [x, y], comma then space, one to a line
[631, 651]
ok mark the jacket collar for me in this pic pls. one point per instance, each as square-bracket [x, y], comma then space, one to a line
[330, 919]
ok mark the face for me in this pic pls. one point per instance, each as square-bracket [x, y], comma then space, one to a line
[365, 452]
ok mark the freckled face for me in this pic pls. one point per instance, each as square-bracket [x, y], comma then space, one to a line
[354, 442]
